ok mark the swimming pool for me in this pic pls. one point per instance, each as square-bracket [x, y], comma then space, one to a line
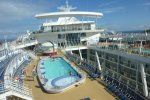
[58, 73]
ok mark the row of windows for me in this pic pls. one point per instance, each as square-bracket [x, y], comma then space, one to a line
[122, 60]
[70, 28]
[71, 36]
[128, 69]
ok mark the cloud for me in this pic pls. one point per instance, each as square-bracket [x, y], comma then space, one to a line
[109, 3]
[112, 10]
[146, 4]
[11, 11]
[18, 15]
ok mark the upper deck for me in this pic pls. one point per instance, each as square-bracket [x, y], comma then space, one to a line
[66, 11]
[68, 14]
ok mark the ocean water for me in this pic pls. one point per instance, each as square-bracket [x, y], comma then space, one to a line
[133, 31]
[8, 37]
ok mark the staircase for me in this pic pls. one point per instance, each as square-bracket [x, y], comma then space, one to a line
[15, 89]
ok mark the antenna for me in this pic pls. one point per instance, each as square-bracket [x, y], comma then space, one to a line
[5, 36]
[67, 5]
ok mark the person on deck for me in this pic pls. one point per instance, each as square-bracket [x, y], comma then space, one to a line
[70, 73]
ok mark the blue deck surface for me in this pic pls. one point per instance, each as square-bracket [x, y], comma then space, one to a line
[3, 66]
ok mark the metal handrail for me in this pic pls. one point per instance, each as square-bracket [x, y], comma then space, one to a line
[128, 51]
[15, 87]
[14, 44]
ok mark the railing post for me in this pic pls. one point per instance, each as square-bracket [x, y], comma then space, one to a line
[120, 44]
[106, 44]
[141, 45]
[143, 76]
[98, 62]
[80, 54]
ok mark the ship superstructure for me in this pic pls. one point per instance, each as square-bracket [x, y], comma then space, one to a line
[68, 27]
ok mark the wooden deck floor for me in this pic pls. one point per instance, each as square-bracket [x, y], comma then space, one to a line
[91, 88]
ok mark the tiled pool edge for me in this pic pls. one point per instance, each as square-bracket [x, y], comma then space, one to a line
[58, 90]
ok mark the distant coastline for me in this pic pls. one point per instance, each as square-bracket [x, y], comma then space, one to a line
[8, 37]
[133, 31]
[11, 37]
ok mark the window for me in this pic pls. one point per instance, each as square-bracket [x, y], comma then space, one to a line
[147, 68]
[83, 34]
[59, 36]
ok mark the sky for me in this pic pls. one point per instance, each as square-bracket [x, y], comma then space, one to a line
[17, 16]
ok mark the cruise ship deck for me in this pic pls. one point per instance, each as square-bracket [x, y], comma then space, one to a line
[90, 89]
[71, 58]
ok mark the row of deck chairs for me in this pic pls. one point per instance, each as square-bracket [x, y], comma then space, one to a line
[121, 90]
[93, 72]
[71, 57]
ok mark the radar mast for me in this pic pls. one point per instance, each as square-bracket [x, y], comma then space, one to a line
[66, 7]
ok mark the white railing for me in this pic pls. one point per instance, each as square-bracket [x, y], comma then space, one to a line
[22, 44]
[30, 53]
[9, 87]
[15, 88]
[3, 46]
[123, 50]
[8, 53]
[3, 54]
[15, 63]
[12, 66]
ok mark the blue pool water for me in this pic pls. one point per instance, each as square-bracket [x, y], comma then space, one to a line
[59, 72]
[144, 51]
